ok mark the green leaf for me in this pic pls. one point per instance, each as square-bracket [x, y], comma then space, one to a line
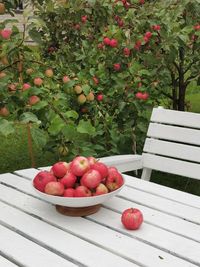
[39, 137]
[86, 127]
[71, 114]
[56, 125]
[86, 89]
[35, 36]
[29, 117]
[6, 127]
[39, 105]
[69, 131]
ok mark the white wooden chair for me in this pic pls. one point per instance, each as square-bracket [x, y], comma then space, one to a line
[172, 145]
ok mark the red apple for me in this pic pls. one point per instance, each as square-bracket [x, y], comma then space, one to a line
[145, 96]
[60, 168]
[84, 19]
[54, 188]
[38, 81]
[79, 166]
[65, 79]
[117, 66]
[112, 170]
[68, 180]
[101, 168]
[127, 52]
[114, 181]
[132, 218]
[100, 190]
[91, 179]
[92, 160]
[156, 27]
[33, 100]
[100, 97]
[138, 45]
[120, 23]
[69, 192]
[42, 178]
[106, 41]
[139, 95]
[26, 86]
[95, 80]
[82, 191]
[6, 33]
[4, 112]
[113, 43]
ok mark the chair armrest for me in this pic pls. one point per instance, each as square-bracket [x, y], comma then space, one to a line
[124, 163]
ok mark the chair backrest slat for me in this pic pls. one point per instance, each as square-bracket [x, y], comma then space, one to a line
[173, 143]
[167, 116]
[174, 133]
[170, 149]
[169, 165]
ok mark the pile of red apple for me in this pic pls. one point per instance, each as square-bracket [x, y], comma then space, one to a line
[82, 177]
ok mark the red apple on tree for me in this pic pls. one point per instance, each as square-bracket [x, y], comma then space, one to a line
[6, 33]
[65, 79]
[82, 191]
[113, 43]
[42, 178]
[54, 188]
[91, 179]
[4, 112]
[26, 86]
[106, 41]
[100, 97]
[33, 100]
[117, 66]
[132, 218]
[38, 81]
[79, 165]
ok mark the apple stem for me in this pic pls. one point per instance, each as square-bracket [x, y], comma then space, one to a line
[30, 146]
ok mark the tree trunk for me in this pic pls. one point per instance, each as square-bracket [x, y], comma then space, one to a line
[182, 87]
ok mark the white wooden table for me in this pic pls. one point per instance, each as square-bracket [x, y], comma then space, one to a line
[34, 234]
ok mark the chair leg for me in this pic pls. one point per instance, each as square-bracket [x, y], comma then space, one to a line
[146, 174]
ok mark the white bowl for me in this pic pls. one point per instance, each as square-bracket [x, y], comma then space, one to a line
[78, 202]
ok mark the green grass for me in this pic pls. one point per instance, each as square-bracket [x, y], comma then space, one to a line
[14, 153]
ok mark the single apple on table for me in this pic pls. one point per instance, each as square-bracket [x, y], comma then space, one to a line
[42, 178]
[132, 218]
[54, 188]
